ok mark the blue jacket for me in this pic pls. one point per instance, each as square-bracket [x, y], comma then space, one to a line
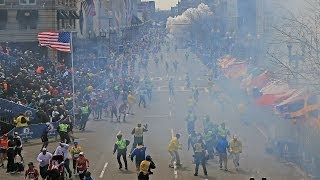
[140, 154]
[222, 145]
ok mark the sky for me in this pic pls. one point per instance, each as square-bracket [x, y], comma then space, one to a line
[165, 4]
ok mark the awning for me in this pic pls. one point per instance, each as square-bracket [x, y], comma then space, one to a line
[73, 15]
[62, 15]
[23, 15]
[3, 15]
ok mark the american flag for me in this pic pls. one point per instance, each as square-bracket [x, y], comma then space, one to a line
[89, 8]
[59, 41]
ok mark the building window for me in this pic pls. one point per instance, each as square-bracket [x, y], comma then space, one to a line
[27, 2]
[3, 19]
[2, 2]
[27, 19]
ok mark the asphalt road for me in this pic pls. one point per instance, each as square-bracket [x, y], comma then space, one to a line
[165, 116]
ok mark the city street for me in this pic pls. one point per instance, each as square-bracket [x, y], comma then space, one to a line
[166, 116]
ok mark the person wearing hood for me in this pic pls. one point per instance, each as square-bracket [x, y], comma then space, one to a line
[139, 152]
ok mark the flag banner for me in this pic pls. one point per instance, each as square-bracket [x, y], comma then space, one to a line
[34, 131]
[89, 8]
[11, 110]
[59, 41]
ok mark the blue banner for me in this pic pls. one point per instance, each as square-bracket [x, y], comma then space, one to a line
[34, 131]
[10, 110]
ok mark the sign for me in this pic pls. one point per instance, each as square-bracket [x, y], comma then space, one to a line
[10, 109]
[34, 131]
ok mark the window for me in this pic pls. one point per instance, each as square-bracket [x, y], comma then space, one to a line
[28, 2]
[28, 19]
[3, 19]
[2, 2]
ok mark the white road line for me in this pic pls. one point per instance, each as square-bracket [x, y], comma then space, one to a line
[170, 114]
[263, 134]
[175, 172]
[169, 99]
[156, 116]
[103, 170]
[119, 132]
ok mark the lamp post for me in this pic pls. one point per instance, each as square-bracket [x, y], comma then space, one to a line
[103, 35]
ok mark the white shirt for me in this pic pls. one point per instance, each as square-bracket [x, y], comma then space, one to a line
[44, 159]
[63, 151]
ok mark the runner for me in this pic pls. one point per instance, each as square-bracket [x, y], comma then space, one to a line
[82, 165]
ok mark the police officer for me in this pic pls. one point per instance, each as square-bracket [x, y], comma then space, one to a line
[209, 140]
[137, 133]
[85, 112]
[200, 157]
[121, 147]
[63, 130]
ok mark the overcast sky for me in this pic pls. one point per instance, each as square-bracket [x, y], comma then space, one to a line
[165, 4]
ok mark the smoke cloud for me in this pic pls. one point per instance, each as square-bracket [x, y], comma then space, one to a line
[183, 23]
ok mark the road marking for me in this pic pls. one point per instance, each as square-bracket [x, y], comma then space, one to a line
[119, 132]
[103, 170]
[263, 134]
[169, 99]
[170, 114]
[156, 116]
[206, 90]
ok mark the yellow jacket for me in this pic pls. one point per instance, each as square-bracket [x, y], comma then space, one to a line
[131, 99]
[18, 121]
[74, 151]
[235, 146]
[174, 145]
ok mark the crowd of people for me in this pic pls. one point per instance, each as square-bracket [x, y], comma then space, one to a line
[102, 89]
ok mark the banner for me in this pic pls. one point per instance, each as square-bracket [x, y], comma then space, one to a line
[34, 131]
[10, 110]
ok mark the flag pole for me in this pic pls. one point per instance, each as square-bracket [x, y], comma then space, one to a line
[73, 91]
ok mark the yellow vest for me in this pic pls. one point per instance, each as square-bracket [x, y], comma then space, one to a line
[122, 144]
[85, 110]
[138, 132]
[63, 127]
[144, 166]
[235, 146]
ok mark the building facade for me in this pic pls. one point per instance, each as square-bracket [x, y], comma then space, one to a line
[22, 20]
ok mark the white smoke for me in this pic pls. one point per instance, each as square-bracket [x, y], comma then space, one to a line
[181, 24]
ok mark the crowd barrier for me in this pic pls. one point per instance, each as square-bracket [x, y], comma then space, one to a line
[34, 131]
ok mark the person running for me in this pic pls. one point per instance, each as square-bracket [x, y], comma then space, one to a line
[85, 111]
[145, 168]
[137, 133]
[63, 149]
[200, 157]
[3, 149]
[31, 173]
[235, 149]
[44, 158]
[223, 132]
[171, 88]
[191, 119]
[195, 94]
[75, 152]
[10, 155]
[123, 111]
[44, 136]
[188, 82]
[18, 145]
[142, 96]
[63, 130]
[209, 139]
[82, 165]
[140, 153]
[221, 148]
[121, 147]
[114, 110]
[173, 148]
[131, 100]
